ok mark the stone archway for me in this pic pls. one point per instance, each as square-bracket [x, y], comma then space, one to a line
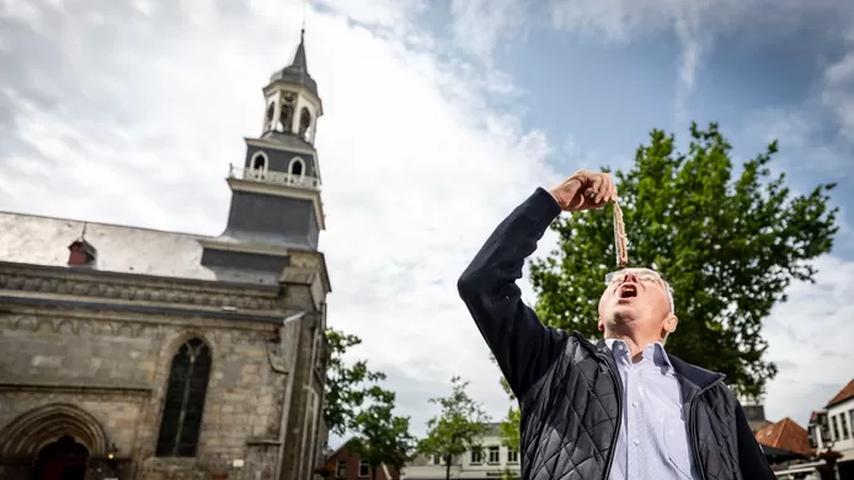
[52, 435]
[64, 459]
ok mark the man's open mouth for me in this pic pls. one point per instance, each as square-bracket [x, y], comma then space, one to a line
[628, 291]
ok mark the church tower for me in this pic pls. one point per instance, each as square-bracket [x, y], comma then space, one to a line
[275, 204]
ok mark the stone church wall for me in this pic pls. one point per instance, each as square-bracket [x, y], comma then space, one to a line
[115, 366]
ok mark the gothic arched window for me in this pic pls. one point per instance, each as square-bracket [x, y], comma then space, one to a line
[297, 167]
[304, 122]
[185, 400]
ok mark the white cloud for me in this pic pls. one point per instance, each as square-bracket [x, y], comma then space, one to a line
[810, 338]
[838, 92]
[481, 25]
[418, 168]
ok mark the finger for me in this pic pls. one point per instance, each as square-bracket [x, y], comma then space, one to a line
[596, 183]
[612, 192]
[603, 189]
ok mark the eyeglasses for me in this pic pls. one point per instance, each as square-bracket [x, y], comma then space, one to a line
[642, 275]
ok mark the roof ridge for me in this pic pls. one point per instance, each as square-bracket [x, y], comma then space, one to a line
[106, 224]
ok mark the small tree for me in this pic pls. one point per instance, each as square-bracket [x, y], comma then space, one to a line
[729, 246]
[346, 385]
[382, 436]
[457, 428]
[509, 426]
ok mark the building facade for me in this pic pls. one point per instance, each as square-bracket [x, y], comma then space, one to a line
[832, 428]
[492, 460]
[346, 464]
[129, 353]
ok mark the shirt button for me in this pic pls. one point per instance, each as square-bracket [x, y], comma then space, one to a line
[634, 404]
[636, 441]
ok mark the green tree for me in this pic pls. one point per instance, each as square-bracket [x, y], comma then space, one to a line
[457, 428]
[382, 436]
[728, 244]
[346, 385]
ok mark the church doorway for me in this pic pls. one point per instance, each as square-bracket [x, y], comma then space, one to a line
[64, 459]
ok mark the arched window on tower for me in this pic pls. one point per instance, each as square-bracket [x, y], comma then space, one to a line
[185, 400]
[296, 169]
[304, 123]
[268, 119]
[258, 166]
[286, 117]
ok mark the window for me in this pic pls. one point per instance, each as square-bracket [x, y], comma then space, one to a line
[259, 161]
[296, 167]
[476, 457]
[286, 117]
[185, 400]
[341, 468]
[437, 459]
[304, 123]
[494, 456]
[851, 419]
[835, 423]
[844, 423]
[364, 469]
[512, 455]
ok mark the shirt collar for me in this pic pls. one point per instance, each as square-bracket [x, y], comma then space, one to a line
[619, 350]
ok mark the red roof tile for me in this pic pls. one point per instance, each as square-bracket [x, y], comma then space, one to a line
[844, 394]
[785, 435]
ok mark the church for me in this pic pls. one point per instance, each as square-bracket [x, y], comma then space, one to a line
[131, 353]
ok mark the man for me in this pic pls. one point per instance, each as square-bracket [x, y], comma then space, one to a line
[622, 408]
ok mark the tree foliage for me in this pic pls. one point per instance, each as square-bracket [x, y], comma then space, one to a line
[728, 244]
[382, 436]
[509, 426]
[347, 386]
[457, 428]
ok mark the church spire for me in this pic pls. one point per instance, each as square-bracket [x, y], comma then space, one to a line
[297, 71]
[299, 56]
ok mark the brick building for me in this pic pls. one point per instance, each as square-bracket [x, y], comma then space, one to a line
[132, 353]
[345, 464]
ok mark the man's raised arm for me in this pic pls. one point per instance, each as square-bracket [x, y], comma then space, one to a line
[523, 347]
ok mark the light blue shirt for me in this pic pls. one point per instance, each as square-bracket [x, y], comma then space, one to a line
[653, 438]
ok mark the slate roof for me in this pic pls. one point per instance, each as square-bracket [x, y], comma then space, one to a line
[40, 240]
[785, 435]
[286, 140]
[844, 394]
[297, 71]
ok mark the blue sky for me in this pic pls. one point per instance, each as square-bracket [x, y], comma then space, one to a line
[438, 119]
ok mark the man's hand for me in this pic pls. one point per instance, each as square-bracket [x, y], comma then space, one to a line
[584, 190]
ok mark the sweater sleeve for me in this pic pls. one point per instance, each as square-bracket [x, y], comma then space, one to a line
[523, 347]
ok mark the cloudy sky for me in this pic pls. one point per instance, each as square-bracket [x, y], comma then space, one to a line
[439, 118]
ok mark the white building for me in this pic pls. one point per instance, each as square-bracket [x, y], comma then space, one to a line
[833, 428]
[494, 460]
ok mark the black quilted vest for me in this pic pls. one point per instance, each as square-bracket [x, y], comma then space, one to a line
[571, 416]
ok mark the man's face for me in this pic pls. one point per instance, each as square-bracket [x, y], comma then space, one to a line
[635, 298]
